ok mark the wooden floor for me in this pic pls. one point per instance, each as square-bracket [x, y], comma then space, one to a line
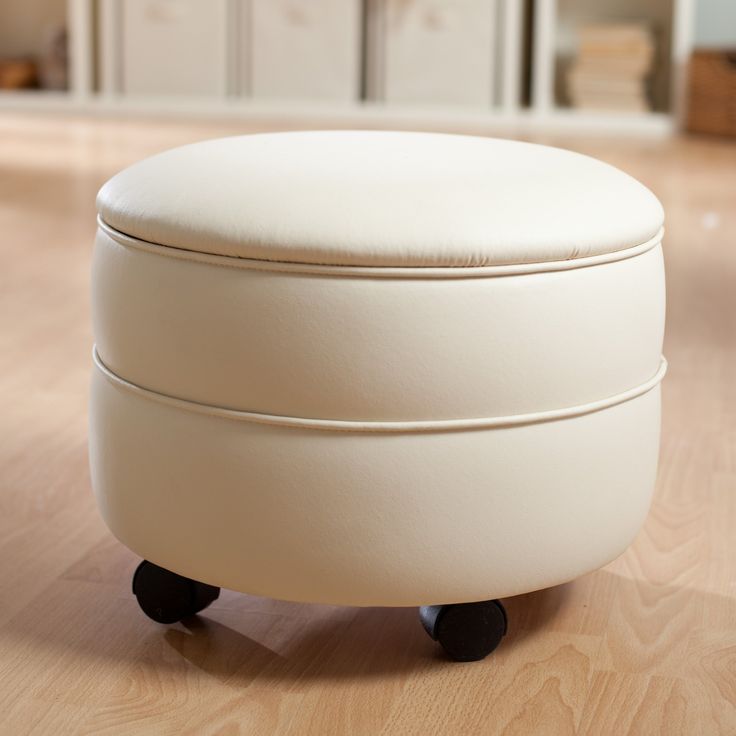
[645, 646]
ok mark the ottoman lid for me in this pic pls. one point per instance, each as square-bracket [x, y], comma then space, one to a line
[383, 199]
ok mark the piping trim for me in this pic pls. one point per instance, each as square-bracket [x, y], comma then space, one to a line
[344, 425]
[407, 272]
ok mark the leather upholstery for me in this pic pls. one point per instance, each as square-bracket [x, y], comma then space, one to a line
[408, 396]
[358, 348]
[372, 518]
[381, 199]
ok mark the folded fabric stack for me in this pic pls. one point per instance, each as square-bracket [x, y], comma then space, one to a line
[612, 67]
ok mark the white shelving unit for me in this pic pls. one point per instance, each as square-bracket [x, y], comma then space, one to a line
[97, 84]
[673, 17]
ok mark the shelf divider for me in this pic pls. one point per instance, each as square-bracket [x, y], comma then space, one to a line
[79, 21]
[543, 52]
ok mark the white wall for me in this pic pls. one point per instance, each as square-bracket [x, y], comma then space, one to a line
[715, 23]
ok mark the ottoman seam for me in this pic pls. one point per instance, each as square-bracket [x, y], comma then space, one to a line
[411, 272]
[418, 426]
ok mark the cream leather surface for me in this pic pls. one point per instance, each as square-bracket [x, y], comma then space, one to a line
[372, 518]
[358, 348]
[439, 386]
[381, 199]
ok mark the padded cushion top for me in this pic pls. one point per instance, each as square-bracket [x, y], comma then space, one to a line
[363, 198]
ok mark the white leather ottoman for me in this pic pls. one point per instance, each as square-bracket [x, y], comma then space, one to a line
[375, 369]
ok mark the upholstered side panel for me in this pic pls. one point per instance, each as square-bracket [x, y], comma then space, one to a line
[368, 519]
[357, 348]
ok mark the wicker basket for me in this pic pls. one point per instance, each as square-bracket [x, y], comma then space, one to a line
[711, 106]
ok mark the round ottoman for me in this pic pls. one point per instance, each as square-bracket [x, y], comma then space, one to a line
[371, 368]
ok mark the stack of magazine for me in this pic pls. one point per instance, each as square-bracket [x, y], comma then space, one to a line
[612, 68]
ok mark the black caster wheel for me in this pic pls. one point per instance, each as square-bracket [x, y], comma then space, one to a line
[467, 631]
[167, 597]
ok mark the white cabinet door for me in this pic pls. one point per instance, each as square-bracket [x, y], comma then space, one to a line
[438, 51]
[305, 49]
[174, 47]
